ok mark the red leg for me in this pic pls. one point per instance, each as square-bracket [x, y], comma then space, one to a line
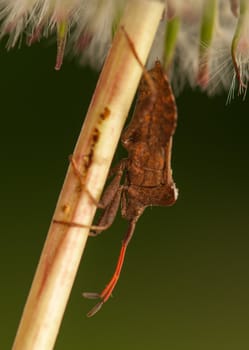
[106, 293]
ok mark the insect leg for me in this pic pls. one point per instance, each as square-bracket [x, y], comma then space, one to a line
[107, 291]
[108, 215]
[109, 202]
[82, 183]
[112, 188]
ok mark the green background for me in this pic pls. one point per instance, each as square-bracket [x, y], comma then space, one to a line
[185, 283]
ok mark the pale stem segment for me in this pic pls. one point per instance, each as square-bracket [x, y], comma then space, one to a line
[171, 35]
[240, 43]
[93, 154]
[209, 19]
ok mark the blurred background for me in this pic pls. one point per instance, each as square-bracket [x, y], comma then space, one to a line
[185, 282]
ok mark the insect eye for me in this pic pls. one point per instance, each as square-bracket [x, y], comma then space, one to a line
[133, 137]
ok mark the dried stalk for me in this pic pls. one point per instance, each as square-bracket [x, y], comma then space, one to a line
[93, 155]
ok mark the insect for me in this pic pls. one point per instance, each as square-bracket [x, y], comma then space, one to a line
[147, 169]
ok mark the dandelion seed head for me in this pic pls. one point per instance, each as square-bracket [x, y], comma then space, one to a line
[95, 31]
[209, 42]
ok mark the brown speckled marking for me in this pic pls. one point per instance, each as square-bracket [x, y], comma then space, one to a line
[95, 137]
[105, 114]
[66, 208]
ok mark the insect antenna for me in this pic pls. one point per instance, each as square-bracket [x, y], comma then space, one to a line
[145, 72]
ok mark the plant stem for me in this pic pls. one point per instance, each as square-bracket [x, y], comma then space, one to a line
[171, 35]
[209, 19]
[93, 155]
[238, 38]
